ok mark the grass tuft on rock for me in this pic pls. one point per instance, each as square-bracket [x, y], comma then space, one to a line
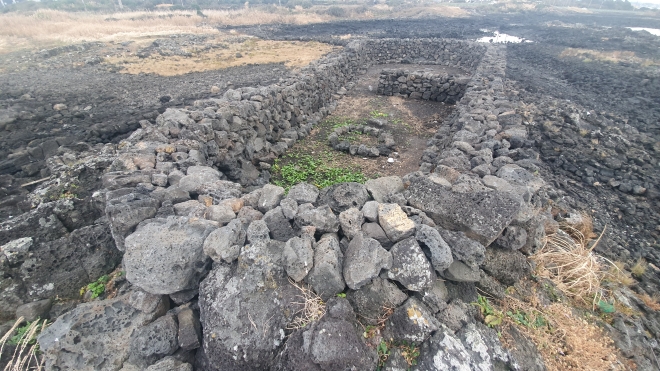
[312, 308]
[26, 355]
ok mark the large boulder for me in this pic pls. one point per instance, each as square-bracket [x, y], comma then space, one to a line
[165, 256]
[343, 196]
[410, 266]
[245, 309]
[95, 335]
[363, 261]
[482, 215]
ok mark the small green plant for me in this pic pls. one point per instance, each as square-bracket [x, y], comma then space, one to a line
[492, 317]
[410, 353]
[383, 353]
[305, 168]
[27, 354]
[341, 295]
[377, 114]
[21, 335]
[97, 287]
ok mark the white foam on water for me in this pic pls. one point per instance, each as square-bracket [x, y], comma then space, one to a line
[652, 31]
[499, 38]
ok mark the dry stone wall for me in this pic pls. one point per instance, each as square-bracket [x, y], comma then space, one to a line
[422, 85]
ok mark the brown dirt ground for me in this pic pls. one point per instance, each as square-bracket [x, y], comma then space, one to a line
[412, 123]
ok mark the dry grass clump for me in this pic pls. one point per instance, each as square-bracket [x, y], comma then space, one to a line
[652, 302]
[639, 268]
[567, 258]
[614, 56]
[26, 355]
[565, 341]
[312, 308]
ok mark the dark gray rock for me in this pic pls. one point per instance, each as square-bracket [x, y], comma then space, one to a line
[92, 336]
[244, 310]
[170, 364]
[411, 323]
[463, 248]
[258, 231]
[190, 330]
[373, 230]
[279, 225]
[16, 251]
[506, 266]
[126, 212]
[224, 244]
[289, 207]
[481, 215]
[332, 343]
[441, 256]
[351, 222]
[343, 196]
[524, 352]
[373, 300]
[512, 238]
[182, 297]
[465, 291]
[298, 257]
[322, 218]
[154, 341]
[380, 187]
[303, 193]
[363, 261]
[326, 277]
[165, 256]
[149, 303]
[435, 297]
[460, 272]
[370, 211]
[196, 177]
[410, 266]
[34, 310]
[271, 195]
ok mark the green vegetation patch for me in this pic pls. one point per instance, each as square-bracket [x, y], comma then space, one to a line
[305, 168]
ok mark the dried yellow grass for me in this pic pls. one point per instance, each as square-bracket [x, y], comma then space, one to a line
[26, 355]
[613, 56]
[312, 307]
[45, 27]
[567, 258]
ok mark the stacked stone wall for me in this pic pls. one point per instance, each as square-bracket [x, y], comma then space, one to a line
[422, 85]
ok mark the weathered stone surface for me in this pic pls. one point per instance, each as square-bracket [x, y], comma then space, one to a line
[506, 266]
[343, 196]
[472, 349]
[330, 344]
[166, 255]
[303, 193]
[380, 187]
[92, 336]
[225, 243]
[155, 340]
[196, 177]
[126, 212]
[298, 257]
[410, 266]
[395, 222]
[351, 222]
[326, 277]
[258, 231]
[16, 250]
[463, 248]
[149, 303]
[441, 257]
[412, 323]
[373, 230]
[191, 208]
[481, 215]
[435, 297]
[279, 225]
[34, 310]
[370, 211]
[190, 330]
[460, 272]
[289, 207]
[371, 300]
[363, 260]
[512, 238]
[222, 214]
[232, 303]
[170, 364]
[271, 195]
[322, 218]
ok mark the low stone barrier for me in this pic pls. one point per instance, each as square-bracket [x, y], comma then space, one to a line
[422, 85]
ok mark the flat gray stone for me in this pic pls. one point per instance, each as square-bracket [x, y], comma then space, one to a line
[441, 256]
[380, 187]
[363, 261]
[460, 272]
[395, 222]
